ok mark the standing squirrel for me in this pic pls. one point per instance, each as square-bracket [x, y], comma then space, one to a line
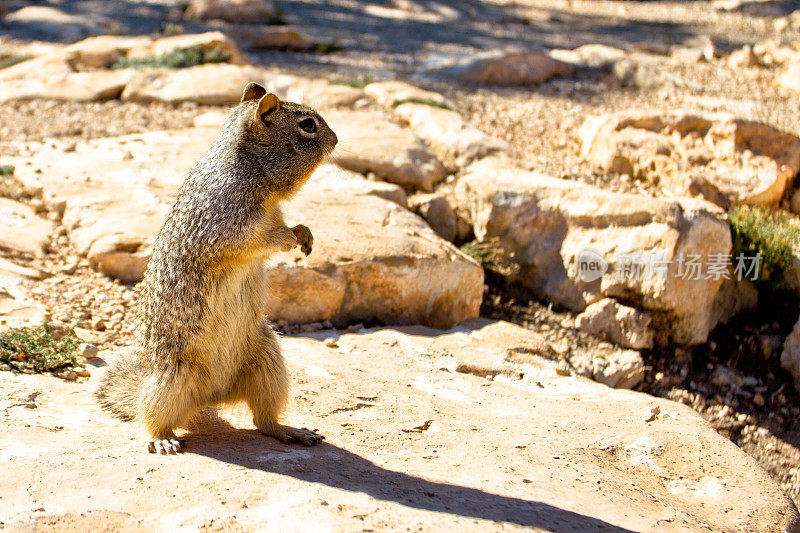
[201, 336]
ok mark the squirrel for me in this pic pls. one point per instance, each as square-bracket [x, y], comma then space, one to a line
[201, 335]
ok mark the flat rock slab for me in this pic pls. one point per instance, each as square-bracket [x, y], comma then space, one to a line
[78, 72]
[90, 86]
[372, 259]
[23, 230]
[723, 159]
[410, 445]
[504, 68]
[211, 84]
[553, 230]
[455, 141]
[369, 142]
[17, 308]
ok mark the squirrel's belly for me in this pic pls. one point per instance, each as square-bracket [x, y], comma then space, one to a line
[237, 304]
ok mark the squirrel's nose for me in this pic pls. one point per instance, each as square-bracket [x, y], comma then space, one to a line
[334, 139]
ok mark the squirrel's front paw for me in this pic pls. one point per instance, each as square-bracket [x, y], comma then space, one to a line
[304, 238]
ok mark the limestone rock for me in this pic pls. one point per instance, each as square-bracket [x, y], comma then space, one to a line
[743, 57]
[102, 51]
[620, 324]
[206, 41]
[17, 272]
[735, 296]
[524, 451]
[41, 67]
[372, 260]
[115, 230]
[437, 212]
[590, 55]
[17, 308]
[94, 86]
[612, 366]
[244, 11]
[454, 140]
[119, 256]
[574, 244]
[789, 76]
[790, 357]
[210, 84]
[317, 93]
[390, 94]
[368, 142]
[773, 53]
[746, 162]
[51, 76]
[504, 68]
[258, 37]
[23, 229]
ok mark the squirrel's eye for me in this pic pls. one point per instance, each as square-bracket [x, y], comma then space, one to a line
[308, 125]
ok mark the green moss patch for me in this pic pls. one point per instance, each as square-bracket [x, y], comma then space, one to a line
[36, 350]
[772, 235]
[178, 58]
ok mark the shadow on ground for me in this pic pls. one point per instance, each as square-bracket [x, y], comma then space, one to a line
[418, 36]
[338, 468]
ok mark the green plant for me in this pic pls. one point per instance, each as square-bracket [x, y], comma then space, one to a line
[357, 83]
[328, 47]
[6, 170]
[489, 254]
[13, 60]
[424, 101]
[178, 58]
[771, 235]
[36, 350]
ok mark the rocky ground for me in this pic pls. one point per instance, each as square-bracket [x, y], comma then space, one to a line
[674, 56]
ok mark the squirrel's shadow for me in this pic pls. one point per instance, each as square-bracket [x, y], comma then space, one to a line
[336, 467]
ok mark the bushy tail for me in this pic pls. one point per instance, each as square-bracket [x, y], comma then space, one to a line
[119, 389]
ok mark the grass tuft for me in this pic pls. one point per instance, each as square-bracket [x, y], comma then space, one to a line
[329, 47]
[772, 235]
[178, 58]
[36, 350]
[424, 101]
[356, 83]
[6, 170]
[490, 255]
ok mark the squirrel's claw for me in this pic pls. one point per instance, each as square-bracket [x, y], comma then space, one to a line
[169, 446]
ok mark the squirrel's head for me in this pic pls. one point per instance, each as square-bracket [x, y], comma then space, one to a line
[292, 135]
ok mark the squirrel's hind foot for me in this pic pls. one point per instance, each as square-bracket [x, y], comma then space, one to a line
[288, 434]
[168, 445]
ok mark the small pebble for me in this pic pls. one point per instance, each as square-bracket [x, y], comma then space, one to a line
[99, 325]
[355, 328]
[330, 342]
[88, 351]
[69, 375]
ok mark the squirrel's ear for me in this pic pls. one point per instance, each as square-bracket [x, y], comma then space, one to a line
[268, 104]
[253, 91]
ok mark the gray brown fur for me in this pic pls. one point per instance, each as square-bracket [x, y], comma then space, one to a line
[201, 336]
